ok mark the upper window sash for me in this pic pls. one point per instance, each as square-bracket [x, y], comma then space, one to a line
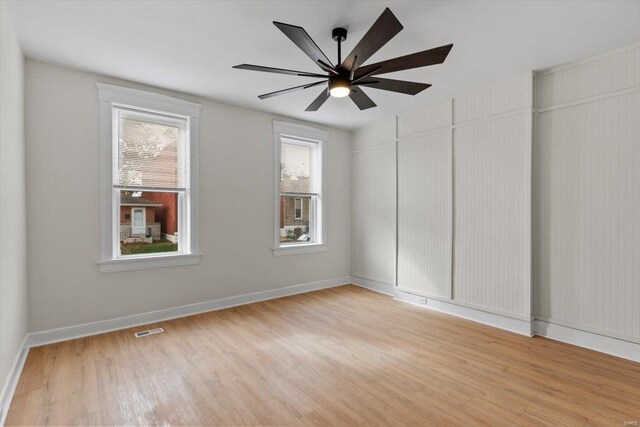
[181, 124]
[315, 175]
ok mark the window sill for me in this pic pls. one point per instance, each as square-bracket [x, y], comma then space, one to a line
[148, 262]
[300, 249]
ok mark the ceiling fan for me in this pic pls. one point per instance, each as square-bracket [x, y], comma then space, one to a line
[349, 76]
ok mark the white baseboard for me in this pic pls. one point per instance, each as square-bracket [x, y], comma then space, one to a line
[519, 326]
[11, 382]
[373, 285]
[613, 346]
[94, 328]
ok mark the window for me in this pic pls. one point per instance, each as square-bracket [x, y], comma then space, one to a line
[298, 208]
[300, 224]
[148, 180]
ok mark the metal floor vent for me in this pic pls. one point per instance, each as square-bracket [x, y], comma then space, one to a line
[148, 332]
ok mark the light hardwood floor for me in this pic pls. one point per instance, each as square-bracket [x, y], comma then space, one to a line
[343, 356]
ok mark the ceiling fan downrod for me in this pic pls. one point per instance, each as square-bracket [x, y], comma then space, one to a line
[339, 35]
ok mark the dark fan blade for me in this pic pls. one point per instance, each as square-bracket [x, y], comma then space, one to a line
[401, 86]
[317, 103]
[327, 67]
[383, 30]
[299, 36]
[370, 73]
[361, 99]
[415, 60]
[277, 70]
[291, 89]
[354, 65]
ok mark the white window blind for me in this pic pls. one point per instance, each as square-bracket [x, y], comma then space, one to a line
[150, 152]
[297, 168]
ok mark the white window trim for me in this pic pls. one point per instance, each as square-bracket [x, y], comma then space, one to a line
[110, 95]
[320, 137]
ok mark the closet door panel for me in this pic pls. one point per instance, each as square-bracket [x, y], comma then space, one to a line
[425, 214]
[492, 214]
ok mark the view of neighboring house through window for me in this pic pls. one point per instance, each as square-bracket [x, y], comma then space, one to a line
[149, 181]
[300, 184]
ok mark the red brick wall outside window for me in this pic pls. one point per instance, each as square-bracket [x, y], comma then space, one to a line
[167, 215]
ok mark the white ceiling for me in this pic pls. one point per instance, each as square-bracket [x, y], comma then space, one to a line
[190, 46]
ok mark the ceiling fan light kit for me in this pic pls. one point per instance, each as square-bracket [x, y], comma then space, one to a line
[339, 87]
[350, 75]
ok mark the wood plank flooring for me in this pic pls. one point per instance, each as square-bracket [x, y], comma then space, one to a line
[342, 356]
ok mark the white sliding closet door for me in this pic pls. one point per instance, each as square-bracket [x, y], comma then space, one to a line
[492, 198]
[424, 214]
[587, 188]
[492, 214]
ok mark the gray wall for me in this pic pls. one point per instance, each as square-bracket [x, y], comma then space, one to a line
[236, 209]
[13, 229]
[373, 192]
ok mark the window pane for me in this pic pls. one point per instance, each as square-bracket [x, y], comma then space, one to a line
[298, 208]
[296, 168]
[294, 227]
[148, 222]
[149, 152]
